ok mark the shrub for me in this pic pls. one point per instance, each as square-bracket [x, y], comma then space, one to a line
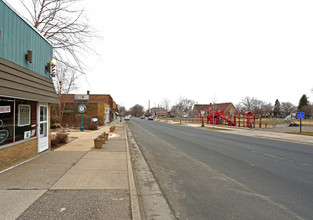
[92, 126]
[59, 138]
[86, 120]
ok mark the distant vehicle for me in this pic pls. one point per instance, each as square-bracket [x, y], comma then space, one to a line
[150, 118]
[126, 118]
[142, 117]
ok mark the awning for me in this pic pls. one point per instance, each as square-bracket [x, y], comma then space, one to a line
[19, 82]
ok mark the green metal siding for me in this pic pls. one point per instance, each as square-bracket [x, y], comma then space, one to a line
[17, 37]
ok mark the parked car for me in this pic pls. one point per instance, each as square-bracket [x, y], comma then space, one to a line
[126, 118]
[142, 117]
[150, 118]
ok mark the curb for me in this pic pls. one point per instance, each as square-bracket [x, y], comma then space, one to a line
[134, 200]
[154, 204]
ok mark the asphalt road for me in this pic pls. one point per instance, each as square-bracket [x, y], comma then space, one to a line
[205, 174]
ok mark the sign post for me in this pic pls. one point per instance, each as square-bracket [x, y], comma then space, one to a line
[82, 109]
[300, 115]
[202, 115]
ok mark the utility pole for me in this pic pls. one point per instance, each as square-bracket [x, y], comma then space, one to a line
[148, 107]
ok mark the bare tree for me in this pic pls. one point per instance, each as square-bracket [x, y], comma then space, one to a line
[64, 84]
[287, 108]
[166, 105]
[257, 107]
[214, 108]
[122, 110]
[308, 110]
[136, 110]
[184, 106]
[240, 108]
[267, 108]
[262, 108]
[64, 24]
[248, 103]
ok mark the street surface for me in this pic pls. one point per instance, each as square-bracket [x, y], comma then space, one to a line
[205, 174]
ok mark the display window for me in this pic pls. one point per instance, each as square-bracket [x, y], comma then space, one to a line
[6, 121]
[25, 119]
[17, 120]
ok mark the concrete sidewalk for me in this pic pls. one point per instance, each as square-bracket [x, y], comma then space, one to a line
[75, 181]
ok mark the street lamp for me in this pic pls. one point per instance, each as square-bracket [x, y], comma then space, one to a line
[202, 114]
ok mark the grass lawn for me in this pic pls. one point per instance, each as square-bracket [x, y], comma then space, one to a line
[309, 133]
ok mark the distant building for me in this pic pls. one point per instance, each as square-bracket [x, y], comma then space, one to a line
[26, 89]
[158, 111]
[228, 109]
[99, 106]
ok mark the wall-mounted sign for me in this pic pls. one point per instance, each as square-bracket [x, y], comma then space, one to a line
[81, 98]
[27, 134]
[5, 109]
[4, 134]
[68, 111]
[23, 115]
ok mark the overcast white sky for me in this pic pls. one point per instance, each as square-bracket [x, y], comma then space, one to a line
[201, 50]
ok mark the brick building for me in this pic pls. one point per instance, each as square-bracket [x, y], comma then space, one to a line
[158, 111]
[26, 89]
[99, 106]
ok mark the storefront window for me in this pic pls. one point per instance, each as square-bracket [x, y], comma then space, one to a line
[17, 120]
[6, 121]
[25, 119]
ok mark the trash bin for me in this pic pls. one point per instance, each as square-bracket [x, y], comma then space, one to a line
[94, 120]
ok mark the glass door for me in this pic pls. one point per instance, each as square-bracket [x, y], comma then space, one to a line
[43, 128]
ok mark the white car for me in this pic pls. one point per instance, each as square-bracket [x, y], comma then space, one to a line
[126, 118]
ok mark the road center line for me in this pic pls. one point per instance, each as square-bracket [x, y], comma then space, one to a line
[184, 133]
[273, 156]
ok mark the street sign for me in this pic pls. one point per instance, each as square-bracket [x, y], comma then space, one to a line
[300, 115]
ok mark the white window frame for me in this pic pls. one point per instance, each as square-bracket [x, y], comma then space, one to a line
[19, 115]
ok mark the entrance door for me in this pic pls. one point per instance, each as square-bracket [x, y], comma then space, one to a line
[42, 128]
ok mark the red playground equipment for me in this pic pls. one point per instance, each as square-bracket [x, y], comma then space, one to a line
[247, 120]
[219, 118]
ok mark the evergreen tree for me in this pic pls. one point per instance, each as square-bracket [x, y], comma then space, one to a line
[303, 102]
[277, 108]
